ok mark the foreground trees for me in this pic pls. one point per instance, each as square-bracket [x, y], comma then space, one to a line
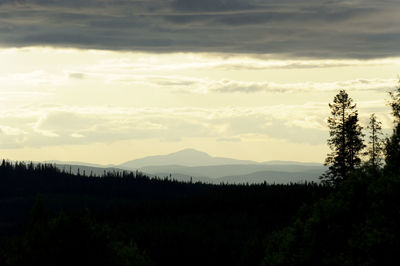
[375, 143]
[357, 224]
[70, 239]
[345, 139]
[392, 149]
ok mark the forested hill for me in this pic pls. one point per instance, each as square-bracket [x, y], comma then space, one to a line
[158, 221]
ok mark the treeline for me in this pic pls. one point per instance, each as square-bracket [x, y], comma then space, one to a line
[156, 221]
[28, 178]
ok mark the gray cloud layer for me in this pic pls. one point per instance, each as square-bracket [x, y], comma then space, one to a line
[312, 28]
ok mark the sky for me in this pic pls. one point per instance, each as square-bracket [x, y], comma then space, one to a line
[107, 81]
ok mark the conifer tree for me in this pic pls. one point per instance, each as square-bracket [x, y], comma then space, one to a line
[375, 142]
[392, 148]
[346, 139]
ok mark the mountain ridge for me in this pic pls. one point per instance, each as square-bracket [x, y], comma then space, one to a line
[192, 158]
[188, 164]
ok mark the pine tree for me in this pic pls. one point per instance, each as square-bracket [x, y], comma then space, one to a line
[375, 142]
[346, 139]
[392, 148]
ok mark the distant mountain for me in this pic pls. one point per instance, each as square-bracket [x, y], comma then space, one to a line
[218, 171]
[277, 177]
[271, 177]
[239, 173]
[290, 163]
[77, 163]
[187, 157]
[190, 164]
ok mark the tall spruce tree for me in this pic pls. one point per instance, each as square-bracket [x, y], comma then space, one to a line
[345, 141]
[375, 142]
[392, 148]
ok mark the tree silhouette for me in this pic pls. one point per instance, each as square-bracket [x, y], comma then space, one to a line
[375, 142]
[392, 148]
[345, 139]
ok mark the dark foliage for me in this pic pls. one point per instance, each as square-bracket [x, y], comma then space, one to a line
[69, 240]
[356, 225]
[375, 143]
[135, 217]
[345, 139]
[392, 150]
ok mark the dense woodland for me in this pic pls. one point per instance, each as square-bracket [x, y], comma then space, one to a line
[52, 217]
[158, 220]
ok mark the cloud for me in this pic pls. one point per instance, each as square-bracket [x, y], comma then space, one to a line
[159, 72]
[67, 125]
[55, 125]
[76, 75]
[187, 85]
[37, 78]
[323, 29]
[297, 134]
[229, 140]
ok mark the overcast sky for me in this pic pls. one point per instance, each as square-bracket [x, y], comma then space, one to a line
[106, 81]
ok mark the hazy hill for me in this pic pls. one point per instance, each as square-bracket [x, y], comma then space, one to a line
[277, 177]
[79, 163]
[184, 164]
[190, 164]
[187, 157]
[235, 174]
[217, 171]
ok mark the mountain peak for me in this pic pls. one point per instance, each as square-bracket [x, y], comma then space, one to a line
[190, 152]
[185, 157]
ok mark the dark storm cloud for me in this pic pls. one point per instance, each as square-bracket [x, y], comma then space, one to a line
[311, 28]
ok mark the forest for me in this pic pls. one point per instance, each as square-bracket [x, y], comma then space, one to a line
[351, 217]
